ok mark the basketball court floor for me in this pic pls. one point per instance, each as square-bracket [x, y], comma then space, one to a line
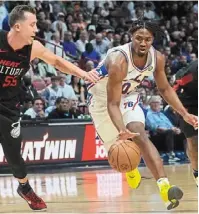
[98, 190]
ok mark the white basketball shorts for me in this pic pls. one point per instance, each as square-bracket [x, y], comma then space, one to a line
[131, 112]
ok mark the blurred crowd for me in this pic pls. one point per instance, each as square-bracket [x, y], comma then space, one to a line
[82, 32]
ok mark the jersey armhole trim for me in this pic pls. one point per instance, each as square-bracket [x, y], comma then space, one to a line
[123, 52]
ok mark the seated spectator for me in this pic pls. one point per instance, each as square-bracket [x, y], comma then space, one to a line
[89, 65]
[46, 70]
[81, 43]
[36, 111]
[39, 84]
[90, 55]
[125, 38]
[52, 92]
[69, 45]
[26, 104]
[159, 124]
[67, 90]
[59, 25]
[143, 100]
[74, 108]
[62, 109]
[46, 32]
[100, 45]
[28, 87]
[148, 12]
[78, 89]
[55, 45]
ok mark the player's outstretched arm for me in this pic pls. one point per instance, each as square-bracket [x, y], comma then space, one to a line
[39, 51]
[116, 65]
[168, 92]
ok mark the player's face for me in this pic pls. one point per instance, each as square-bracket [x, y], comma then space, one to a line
[27, 28]
[142, 40]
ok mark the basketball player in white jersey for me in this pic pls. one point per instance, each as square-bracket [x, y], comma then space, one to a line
[113, 102]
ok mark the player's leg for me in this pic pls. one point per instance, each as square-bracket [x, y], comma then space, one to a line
[192, 142]
[10, 139]
[192, 152]
[135, 121]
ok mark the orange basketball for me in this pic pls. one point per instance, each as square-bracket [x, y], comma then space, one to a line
[125, 156]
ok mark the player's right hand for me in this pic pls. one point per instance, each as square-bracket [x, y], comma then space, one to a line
[126, 134]
[91, 76]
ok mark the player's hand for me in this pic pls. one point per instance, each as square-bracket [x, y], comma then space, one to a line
[126, 134]
[191, 119]
[91, 76]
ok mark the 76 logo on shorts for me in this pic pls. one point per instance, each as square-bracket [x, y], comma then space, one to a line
[128, 104]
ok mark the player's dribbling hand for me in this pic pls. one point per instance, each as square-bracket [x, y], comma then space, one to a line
[191, 119]
[126, 134]
[91, 76]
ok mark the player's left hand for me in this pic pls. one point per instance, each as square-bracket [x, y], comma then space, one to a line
[91, 76]
[191, 119]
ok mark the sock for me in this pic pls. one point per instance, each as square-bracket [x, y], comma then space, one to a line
[25, 187]
[195, 173]
[163, 185]
[162, 181]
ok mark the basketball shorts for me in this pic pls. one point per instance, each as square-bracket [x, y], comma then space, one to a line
[131, 112]
[186, 128]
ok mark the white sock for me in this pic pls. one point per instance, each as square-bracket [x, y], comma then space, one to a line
[162, 180]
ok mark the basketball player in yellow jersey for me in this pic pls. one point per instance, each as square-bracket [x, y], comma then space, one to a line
[113, 102]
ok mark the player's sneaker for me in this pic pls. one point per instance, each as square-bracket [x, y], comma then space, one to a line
[133, 178]
[170, 195]
[34, 201]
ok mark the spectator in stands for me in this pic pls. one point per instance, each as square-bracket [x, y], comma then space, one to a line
[62, 109]
[46, 32]
[116, 41]
[100, 45]
[90, 55]
[37, 110]
[125, 38]
[94, 21]
[67, 90]
[3, 13]
[193, 57]
[81, 23]
[74, 107]
[28, 88]
[143, 100]
[89, 65]
[78, 89]
[83, 40]
[69, 46]
[52, 92]
[46, 70]
[160, 125]
[27, 103]
[55, 45]
[148, 12]
[59, 25]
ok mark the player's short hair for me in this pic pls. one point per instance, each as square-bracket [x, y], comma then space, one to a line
[150, 25]
[18, 13]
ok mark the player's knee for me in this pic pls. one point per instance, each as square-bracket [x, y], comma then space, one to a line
[139, 128]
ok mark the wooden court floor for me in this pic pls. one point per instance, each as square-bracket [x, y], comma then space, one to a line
[99, 191]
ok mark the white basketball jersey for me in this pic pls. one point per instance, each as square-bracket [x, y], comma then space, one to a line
[134, 75]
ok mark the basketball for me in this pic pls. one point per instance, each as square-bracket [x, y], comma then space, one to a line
[124, 157]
